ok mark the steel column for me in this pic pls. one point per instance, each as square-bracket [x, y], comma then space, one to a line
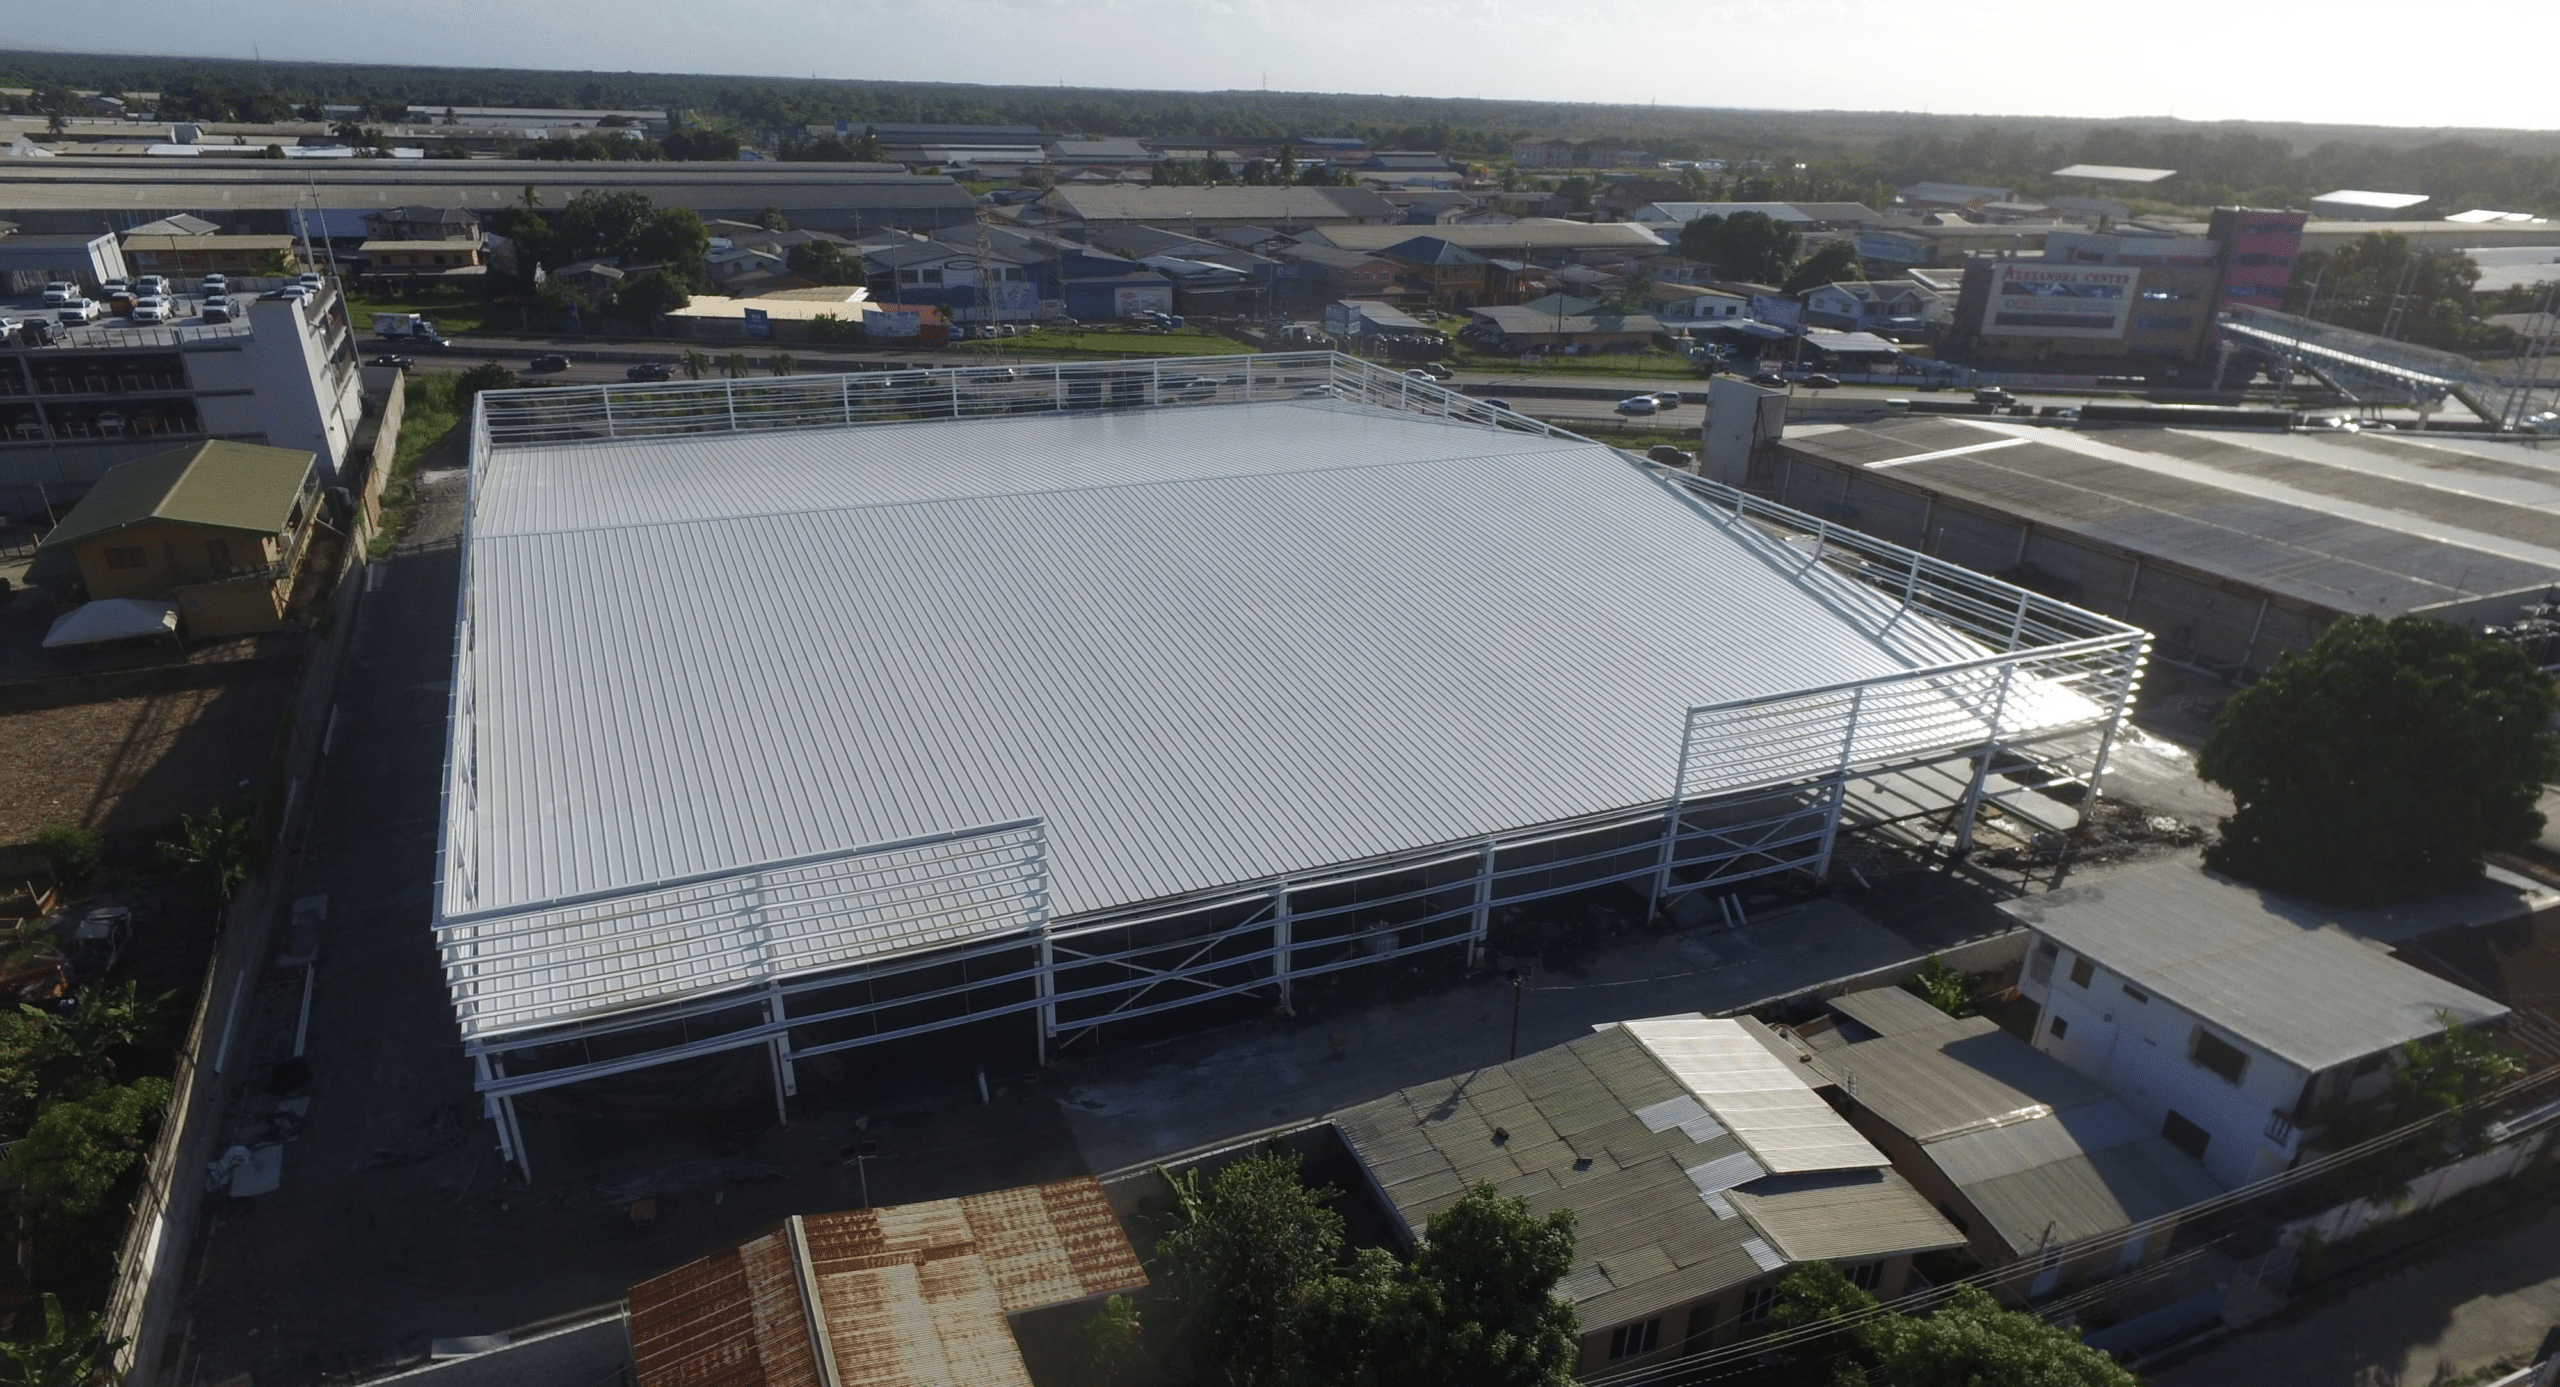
[1839, 786]
[1044, 985]
[1671, 818]
[2107, 739]
[1280, 945]
[1982, 768]
[1481, 925]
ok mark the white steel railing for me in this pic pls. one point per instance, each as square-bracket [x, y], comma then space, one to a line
[564, 414]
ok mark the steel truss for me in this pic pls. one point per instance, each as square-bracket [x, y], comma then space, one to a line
[2025, 689]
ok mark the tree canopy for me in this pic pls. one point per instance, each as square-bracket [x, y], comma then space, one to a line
[68, 1163]
[1745, 245]
[1832, 262]
[825, 262]
[2382, 763]
[1969, 1341]
[1256, 1264]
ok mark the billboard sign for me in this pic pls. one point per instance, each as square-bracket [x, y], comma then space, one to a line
[2034, 299]
[759, 323]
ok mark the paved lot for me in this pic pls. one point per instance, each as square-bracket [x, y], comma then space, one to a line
[2490, 1298]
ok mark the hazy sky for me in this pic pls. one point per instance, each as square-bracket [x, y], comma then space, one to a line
[2352, 62]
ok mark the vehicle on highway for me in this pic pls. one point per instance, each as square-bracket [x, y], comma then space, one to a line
[1770, 378]
[1499, 404]
[1819, 381]
[1437, 370]
[411, 327]
[650, 370]
[1638, 405]
[2548, 421]
[1193, 385]
[1668, 456]
[403, 364]
[1993, 395]
[1667, 399]
[548, 361]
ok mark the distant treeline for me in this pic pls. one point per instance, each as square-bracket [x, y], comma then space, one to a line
[2233, 161]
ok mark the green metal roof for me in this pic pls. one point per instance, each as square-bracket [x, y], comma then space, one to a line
[218, 484]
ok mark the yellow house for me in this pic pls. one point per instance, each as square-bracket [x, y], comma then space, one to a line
[215, 529]
[421, 257]
[196, 255]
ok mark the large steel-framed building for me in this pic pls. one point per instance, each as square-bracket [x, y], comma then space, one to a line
[817, 712]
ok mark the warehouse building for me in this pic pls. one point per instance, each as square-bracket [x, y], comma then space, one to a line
[810, 714]
[2232, 547]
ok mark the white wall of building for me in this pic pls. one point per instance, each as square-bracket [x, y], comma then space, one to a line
[2138, 1050]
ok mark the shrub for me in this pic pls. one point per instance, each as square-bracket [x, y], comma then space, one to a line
[70, 852]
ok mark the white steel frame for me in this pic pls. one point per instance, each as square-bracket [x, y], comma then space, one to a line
[1757, 788]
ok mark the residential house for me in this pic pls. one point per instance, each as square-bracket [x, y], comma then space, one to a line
[735, 266]
[909, 1293]
[1769, 304]
[2224, 1017]
[597, 277]
[190, 255]
[1450, 276]
[216, 529]
[1680, 304]
[420, 223]
[1353, 318]
[413, 258]
[1322, 271]
[178, 224]
[1523, 328]
[1867, 305]
[1698, 1162]
[2029, 1159]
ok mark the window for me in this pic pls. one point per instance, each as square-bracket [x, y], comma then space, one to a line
[2211, 1051]
[2082, 970]
[1866, 1276]
[2185, 1135]
[1628, 1340]
[2060, 1028]
[1756, 1304]
[217, 553]
[1702, 1328]
[2136, 993]
[127, 556]
[2040, 966]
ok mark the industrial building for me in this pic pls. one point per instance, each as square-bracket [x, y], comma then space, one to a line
[2232, 546]
[263, 196]
[808, 714]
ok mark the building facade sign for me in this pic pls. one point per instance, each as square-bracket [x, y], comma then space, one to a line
[2034, 299]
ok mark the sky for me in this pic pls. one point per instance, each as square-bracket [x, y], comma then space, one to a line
[2354, 62]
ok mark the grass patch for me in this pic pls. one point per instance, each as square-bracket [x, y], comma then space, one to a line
[457, 312]
[1179, 342]
[428, 412]
[1661, 364]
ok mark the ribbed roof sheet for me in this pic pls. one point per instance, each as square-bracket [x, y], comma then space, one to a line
[1759, 1097]
[1205, 645]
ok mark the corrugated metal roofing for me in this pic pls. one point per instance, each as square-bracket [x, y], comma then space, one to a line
[2377, 526]
[225, 485]
[1888, 1011]
[1655, 1204]
[1755, 1094]
[1842, 1216]
[1206, 646]
[911, 1295]
[2275, 972]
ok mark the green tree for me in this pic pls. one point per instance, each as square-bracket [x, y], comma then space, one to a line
[2449, 1074]
[217, 850]
[66, 1352]
[598, 223]
[656, 292]
[70, 852]
[781, 364]
[868, 149]
[1114, 1339]
[1832, 262]
[771, 219]
[675, 240]
[1247, 1250]
[1746, 245]
[1629, 295]
[488, 375]
[22, 1054]
[1942, 987]
[1481, 1310]
[1969, 1342]
[735, 366]
[68, 1163]
[2382, 763]
[1576, 192]
[824, 262]
[113, 1025]
[696, 365]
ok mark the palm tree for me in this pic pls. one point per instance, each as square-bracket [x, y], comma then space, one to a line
[66, 1354]
[781, 364]
[696, 365]
[735, 365]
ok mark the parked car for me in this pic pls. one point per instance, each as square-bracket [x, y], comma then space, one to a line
[1770, 378]
[650, 370]
[1638, 405]
[1668, 456]
[151, 286]
[309, 280]
[290, 293]
[218, 310]
[151, 311]
[403, 364]
[216, 283]
[76, 312]
[114, 287]
[1667, 399]
[1819, 381]
[60, 292]
[548, 361]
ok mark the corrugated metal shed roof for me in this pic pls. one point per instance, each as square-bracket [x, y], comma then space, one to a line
[912, 1295]
[2274, 972]
[224, 485]
[1230, 203]
[2035, 1146]
[1208, 646]
[1661, 1214]
[1888, 1011]
[2362, 526]
[1529, 233]
[1761, 1098]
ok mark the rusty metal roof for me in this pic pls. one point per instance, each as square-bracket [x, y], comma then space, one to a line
[912, 1293]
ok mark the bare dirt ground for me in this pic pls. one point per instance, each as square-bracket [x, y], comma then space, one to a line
[132, 764]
